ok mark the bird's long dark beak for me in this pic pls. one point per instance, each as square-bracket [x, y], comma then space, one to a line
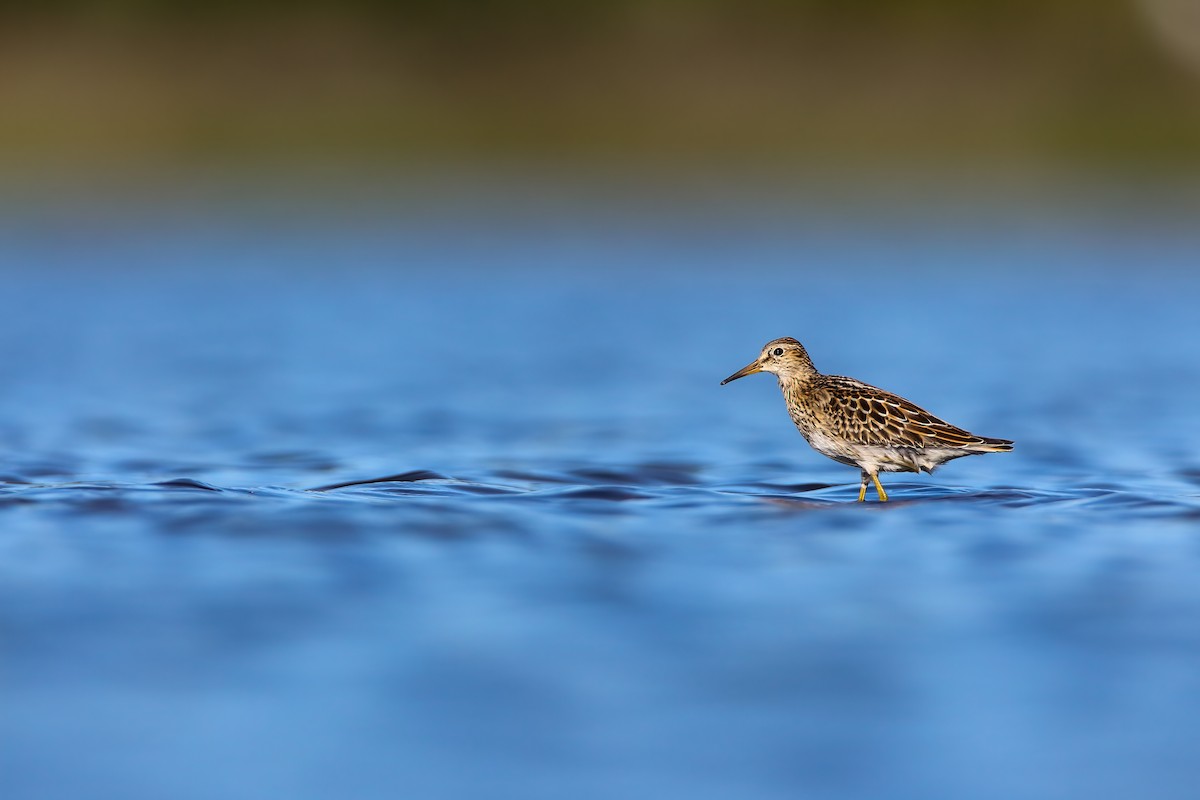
[749, 369]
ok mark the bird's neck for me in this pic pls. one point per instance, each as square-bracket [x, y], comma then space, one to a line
[796, 381]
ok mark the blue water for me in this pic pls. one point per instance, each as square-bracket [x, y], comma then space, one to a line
[595, 573]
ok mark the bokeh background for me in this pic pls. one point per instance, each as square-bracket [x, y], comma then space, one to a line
[924, 84]
[501, 253]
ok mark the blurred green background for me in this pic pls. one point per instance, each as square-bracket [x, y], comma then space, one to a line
[139, 84]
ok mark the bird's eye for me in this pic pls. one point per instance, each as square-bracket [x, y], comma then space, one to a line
[778, 351]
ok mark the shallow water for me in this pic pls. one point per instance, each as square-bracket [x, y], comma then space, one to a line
[593, 572]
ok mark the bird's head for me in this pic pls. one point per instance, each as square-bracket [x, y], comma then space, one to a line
[785, 358]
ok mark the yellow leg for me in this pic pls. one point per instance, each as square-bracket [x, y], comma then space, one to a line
[862, 489]
[878, 488]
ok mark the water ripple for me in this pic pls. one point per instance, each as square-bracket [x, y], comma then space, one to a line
[617, 485]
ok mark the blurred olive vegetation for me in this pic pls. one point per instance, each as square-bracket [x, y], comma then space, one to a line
[90, 83]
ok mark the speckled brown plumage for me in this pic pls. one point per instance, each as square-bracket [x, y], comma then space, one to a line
[860, 425]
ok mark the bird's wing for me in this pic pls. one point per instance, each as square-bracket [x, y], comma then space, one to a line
[870, 416]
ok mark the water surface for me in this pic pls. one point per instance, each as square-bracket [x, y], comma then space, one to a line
[592, 572]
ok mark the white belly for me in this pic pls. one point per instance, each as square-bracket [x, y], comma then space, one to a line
[873, 458]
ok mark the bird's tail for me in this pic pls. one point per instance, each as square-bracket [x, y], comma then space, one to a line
[993, 445]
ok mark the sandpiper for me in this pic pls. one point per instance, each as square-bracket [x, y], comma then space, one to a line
[862, 426]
